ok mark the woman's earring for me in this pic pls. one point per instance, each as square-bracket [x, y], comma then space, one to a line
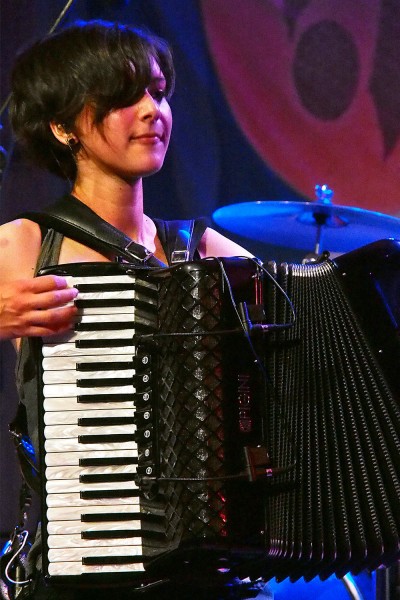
[71, 141]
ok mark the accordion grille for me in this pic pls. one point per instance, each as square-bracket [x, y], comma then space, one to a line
[190, 410]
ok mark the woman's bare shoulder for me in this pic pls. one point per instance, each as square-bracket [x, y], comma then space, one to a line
[20, 242]
[215, 244]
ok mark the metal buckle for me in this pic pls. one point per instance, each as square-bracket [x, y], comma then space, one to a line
[147, 253]
[178, 256]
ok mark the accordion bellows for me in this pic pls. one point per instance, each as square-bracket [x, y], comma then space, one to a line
[334, 415]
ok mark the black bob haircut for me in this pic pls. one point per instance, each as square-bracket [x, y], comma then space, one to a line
[105, 64]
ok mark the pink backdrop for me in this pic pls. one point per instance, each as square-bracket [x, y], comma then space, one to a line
[315, 86]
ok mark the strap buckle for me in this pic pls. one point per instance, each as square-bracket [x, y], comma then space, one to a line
[146, 254]
[178, 256]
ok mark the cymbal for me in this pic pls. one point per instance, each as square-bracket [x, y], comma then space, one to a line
[307, 225]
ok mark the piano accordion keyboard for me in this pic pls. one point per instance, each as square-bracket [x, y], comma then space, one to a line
[94, 378]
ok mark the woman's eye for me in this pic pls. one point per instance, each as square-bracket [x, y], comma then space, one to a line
[158, 94]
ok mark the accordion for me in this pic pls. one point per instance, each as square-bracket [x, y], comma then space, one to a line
[147, 408]
[224, 417]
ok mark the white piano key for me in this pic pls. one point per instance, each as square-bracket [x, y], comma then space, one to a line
[74, 513]
[122, 295]
[72, 445]
[69, 542]
[74, 499]
[55, 363]
[71, 417]
[61, 404]
[111, 334]
[73, 527]
[107, 310]
[107, 295]
[70, 390]
[63, 486]
[76, 568]
[70, 376]
[117, 316]
[54, 459]
[69, 349]
[73, 472]
[73, 431]
[75, 554]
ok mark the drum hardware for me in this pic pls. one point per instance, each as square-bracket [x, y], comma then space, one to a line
[314, 227]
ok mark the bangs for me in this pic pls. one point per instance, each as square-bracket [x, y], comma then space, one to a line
[126, 68]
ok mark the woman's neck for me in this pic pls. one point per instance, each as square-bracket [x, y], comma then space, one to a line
[118, 203]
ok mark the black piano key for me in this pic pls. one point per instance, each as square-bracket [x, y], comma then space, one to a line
[102, 421]
[92, 561]
[107, 438]
[109, 303]
[110, 534]
[105, 462]
[106, 477]
[149, 520]
[98, 494]
[105, 287]
[105, 366]
[135, 362]
[111, 343]
[106, 517]
[105, 326]
[95, 398]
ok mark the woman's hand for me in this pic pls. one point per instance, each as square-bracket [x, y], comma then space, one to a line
[39, 306]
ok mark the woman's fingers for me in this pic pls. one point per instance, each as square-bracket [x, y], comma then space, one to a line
[36, 307]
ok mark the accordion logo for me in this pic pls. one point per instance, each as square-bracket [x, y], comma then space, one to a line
[244, 403]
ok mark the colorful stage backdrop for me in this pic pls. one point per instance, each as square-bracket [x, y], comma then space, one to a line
[315, 87]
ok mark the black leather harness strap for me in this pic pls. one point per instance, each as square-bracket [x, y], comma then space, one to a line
[77, 221]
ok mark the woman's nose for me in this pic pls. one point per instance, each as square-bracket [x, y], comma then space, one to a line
[149, 106]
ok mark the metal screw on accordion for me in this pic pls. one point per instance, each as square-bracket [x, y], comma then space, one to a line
[147, 433]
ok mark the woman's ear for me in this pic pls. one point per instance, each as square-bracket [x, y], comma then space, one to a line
[58, 130]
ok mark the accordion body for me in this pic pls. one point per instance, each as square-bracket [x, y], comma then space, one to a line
[147, 407]
[259, 445]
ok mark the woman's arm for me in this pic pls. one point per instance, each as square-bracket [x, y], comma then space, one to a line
[214, 244]
[29, 306]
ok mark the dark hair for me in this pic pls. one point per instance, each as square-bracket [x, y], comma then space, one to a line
[89, 62]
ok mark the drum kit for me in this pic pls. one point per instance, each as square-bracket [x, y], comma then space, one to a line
[314, 227]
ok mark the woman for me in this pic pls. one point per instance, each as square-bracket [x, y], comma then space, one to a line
[90, 104]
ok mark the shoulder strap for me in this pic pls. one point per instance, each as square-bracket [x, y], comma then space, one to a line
[180, 239]
[74, 219]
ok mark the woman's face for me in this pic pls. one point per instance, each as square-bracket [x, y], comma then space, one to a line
[130, 142]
